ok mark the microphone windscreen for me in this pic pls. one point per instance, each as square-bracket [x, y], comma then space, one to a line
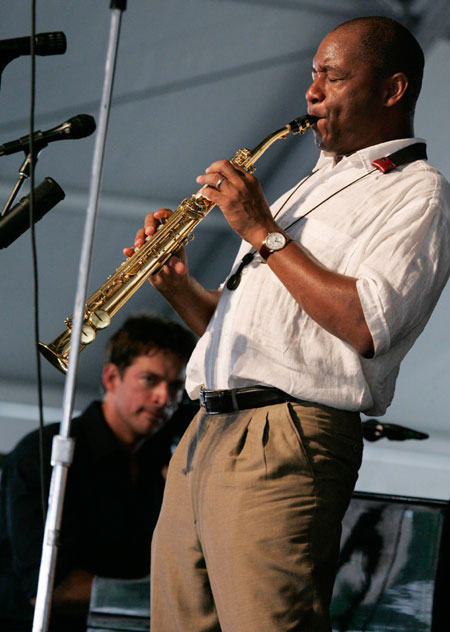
[17, 220]
[50, 43]
[82, 125]
[46, 196]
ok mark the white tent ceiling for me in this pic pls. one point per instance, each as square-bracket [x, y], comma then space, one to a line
[195, 80]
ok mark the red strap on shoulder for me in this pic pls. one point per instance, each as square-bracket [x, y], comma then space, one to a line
[401, 157]
[384, 164]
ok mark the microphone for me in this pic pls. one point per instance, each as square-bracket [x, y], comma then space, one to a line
[44, 44]
[16, 222]
[76, 127]
[374, 430]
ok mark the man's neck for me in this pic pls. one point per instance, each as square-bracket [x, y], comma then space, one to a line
[409, 133]
[391, 130]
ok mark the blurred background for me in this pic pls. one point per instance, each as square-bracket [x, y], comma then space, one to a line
[195, 81]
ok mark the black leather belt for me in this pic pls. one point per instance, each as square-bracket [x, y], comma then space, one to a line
[216, 402]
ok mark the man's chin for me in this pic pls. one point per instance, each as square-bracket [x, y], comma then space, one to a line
[318, 139]
[327, 147]
[152, 424]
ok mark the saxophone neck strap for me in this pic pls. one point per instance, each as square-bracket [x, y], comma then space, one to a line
[401, 157]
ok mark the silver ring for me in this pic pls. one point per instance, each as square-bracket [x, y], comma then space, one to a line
[219, 182]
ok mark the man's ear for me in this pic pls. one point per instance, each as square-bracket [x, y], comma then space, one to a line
[110, 376]
[396, 86]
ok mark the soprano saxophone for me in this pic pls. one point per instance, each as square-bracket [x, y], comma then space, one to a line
[149, 259]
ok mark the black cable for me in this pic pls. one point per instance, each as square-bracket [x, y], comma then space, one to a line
[35, 262]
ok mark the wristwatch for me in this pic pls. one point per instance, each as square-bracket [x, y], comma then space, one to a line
[272, 243]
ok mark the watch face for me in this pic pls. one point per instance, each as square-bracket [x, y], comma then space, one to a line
[275, 241]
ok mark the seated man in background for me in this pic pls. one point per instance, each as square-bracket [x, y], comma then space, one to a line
[114, 485]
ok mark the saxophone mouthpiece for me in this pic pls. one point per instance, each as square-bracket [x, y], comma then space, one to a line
[302, 123]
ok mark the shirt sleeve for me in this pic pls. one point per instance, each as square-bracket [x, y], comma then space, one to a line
[406, 264]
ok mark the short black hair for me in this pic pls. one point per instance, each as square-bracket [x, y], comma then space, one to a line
[390, 47]
[143, 333]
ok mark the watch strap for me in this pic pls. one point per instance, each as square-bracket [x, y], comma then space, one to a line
[265, 251]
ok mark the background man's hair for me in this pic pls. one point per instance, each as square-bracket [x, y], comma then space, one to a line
[144, 333]
[390, 47]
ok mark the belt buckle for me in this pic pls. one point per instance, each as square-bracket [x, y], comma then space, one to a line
[205, 400]
[221, 397]
[202, 397]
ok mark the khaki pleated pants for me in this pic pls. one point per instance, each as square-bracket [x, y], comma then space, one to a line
[248, 536]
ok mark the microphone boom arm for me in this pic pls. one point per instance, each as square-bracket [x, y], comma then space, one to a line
[24, 173]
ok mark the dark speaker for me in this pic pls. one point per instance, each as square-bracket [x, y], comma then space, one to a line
[393, 566]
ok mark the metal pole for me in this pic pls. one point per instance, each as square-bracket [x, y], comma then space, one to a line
[63, 444]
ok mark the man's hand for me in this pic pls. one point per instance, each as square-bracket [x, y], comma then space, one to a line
[241, 200]
[167, 278]
[188, 298]
[72, 594]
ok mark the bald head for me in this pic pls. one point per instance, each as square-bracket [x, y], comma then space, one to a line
[390, 48]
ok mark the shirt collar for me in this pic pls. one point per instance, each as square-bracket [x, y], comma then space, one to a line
[364, 157]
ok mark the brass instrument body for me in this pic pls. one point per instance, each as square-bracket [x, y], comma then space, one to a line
[149, 259]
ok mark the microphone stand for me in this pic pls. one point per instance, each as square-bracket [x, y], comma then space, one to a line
[24, 173]
[63, 445]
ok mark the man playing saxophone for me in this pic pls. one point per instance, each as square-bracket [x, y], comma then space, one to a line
[342, 274]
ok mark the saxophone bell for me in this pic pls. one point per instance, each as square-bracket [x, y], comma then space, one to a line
[57, 352]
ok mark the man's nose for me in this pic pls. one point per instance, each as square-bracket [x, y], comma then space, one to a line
[315, 92]
[161, 394]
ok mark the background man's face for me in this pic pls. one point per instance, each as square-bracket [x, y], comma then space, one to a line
[144, 397]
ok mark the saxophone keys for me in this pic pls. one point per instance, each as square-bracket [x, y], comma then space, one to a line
[100, 319]
[87, 334]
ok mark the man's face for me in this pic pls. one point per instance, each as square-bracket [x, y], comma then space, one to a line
[346, 95]
[145, 396]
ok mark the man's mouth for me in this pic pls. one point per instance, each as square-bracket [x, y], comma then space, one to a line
[157, 415]
[318, 118]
